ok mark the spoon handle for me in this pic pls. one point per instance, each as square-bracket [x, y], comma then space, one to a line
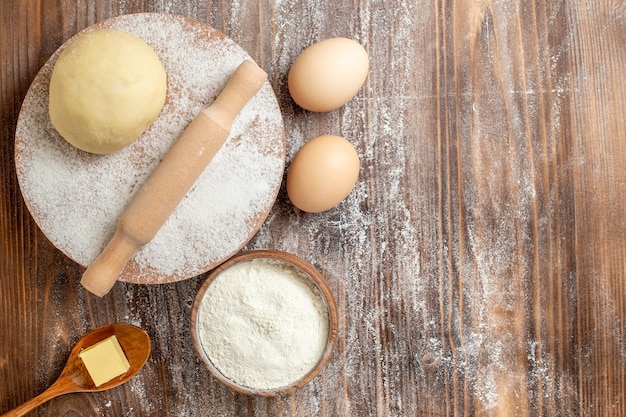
[56, 389]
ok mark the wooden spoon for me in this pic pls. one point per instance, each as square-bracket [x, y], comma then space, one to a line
[75, 378]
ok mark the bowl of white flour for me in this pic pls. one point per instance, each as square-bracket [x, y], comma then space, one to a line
[264, 322]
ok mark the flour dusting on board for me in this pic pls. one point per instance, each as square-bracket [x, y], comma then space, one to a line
[77, 198]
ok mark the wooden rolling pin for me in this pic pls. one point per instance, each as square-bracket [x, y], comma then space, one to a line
[173, 178]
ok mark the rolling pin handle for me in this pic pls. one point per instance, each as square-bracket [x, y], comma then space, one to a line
[242, 85]
[101, 275]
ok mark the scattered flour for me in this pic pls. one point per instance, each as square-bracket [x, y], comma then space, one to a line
[414, 308]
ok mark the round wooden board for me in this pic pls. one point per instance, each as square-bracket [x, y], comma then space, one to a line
[76, 197]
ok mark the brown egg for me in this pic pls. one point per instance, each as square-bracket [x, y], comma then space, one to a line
[328, 74]
[322, 173]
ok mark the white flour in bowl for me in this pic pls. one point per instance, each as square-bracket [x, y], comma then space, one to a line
[263, 324]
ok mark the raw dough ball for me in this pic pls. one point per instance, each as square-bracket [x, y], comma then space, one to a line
[106, 88]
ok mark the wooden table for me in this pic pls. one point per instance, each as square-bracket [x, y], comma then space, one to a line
[480, 263]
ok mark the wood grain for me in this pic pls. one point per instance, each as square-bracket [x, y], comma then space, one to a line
[75, 377]
[478, 265]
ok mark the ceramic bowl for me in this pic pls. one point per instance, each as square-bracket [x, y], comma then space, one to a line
[316, 279]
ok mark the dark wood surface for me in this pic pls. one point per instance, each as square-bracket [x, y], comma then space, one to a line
[479, 265]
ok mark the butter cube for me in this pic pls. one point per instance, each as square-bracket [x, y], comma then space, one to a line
[105, 360]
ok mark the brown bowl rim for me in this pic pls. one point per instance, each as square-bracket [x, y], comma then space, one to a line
[316, 277]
